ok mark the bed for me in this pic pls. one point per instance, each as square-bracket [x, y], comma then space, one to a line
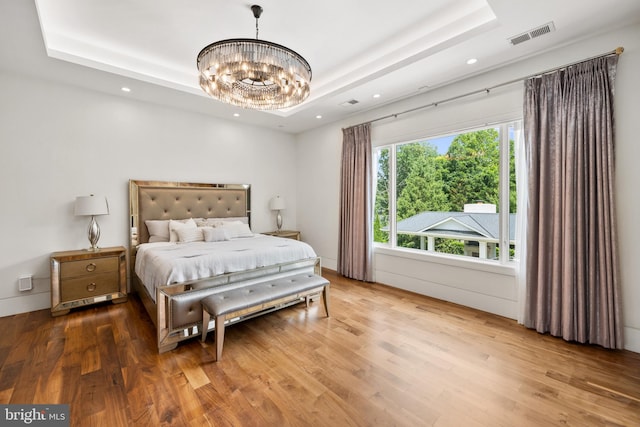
[190, 240]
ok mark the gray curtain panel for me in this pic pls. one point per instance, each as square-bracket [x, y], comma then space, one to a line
[355, 254]
[572, 255]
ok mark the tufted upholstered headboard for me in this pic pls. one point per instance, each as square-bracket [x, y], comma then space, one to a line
[179, 200]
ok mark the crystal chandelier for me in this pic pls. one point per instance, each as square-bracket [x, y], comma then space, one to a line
[254, 74]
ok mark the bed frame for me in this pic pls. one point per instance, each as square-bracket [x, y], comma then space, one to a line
[177, 312]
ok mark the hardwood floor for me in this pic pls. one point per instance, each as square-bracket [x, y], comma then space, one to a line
[385, 358]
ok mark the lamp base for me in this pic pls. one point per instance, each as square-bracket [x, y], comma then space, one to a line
[93, 234]
[278, 221]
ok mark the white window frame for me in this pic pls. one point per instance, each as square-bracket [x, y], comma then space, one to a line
[503, 218]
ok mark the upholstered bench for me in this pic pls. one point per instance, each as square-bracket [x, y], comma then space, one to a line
[259, 298]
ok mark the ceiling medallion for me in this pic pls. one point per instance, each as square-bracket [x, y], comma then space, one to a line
[254, 74]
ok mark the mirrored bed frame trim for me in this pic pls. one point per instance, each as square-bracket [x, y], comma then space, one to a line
[176, 311]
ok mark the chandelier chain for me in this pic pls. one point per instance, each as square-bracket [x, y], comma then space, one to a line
[257, 28]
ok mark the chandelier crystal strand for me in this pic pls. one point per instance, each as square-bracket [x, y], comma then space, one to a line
[254, 74]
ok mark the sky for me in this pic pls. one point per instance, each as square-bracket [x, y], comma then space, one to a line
[442, 143]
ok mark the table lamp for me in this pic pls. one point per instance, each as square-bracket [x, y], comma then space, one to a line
[92, 206]
[277, 204]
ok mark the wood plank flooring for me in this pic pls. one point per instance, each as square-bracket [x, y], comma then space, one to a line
[385, 358]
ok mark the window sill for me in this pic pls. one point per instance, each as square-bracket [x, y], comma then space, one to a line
[508, 269]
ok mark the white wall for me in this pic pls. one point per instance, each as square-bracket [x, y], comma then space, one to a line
[491, 289]
[58, 142]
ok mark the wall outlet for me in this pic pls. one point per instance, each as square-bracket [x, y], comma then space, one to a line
[25, 283]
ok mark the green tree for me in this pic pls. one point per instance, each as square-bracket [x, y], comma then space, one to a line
[513, 194]
[420, 183]
[379, 235]
[406, 156]
[450, 246]
[381, 208]
[472, 169]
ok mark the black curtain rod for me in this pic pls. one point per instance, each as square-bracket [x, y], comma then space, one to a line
[616, 51]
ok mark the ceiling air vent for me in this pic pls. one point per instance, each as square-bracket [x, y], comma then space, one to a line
[532, 34]
[349, 103]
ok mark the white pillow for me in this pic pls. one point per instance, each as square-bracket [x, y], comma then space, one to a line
[215, 234]
[215, 222]
[158, 230]
[175, 225]
[222, 224]
[189, 234]
[237, 230]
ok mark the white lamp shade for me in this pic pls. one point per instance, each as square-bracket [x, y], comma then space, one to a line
[277, 204]
[91, 205]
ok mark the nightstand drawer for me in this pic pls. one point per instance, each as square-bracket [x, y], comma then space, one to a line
[88, 266]
[89, 287]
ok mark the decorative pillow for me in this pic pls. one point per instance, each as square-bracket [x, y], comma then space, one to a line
[222, 224]
[189, 234]
[158, 230]
[175, 225]
[215, 222]
[211, 223]
[237, 230]
[214, 234]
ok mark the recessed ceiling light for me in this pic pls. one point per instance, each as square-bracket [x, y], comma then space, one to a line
[377, 95]
[471, 61]
[125, 89]
[236, 114]
[318, 116]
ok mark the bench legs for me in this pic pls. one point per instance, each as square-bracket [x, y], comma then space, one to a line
[206, 318]
[219, 336]
[325, 299]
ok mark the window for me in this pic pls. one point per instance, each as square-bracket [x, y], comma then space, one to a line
[454, 194]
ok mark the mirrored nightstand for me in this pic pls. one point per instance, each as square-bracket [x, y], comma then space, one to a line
[288, 234]
[84, 277]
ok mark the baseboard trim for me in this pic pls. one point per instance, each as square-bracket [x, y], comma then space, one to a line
[25, 303]
[632, 339]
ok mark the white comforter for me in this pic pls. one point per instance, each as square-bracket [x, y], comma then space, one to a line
[160, 264]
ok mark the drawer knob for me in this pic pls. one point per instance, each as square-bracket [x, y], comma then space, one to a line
[91, 287]
[91, 267]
